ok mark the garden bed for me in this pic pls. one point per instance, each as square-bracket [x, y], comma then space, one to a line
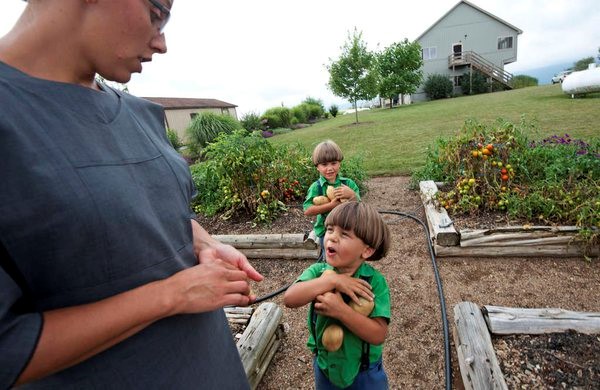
[413, 354]
[513, 240]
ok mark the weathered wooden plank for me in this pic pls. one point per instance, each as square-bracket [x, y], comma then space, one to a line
[516, 239]
[441, 229]
[238, 309]
[262, 241]
[265, 358]
[528, 231]
[520, 251]
[258, 340]
[510, 320]
[477, 360]
[281, 253]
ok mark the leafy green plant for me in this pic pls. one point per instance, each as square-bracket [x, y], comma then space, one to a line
[438, 86]
[278, 117]
[174, 139]
[300, 114]
[244, 173]
[555, 180]
[251, 121]
[206, 127]
[333, 110]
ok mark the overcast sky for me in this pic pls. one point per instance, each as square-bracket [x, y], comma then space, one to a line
[264, 53]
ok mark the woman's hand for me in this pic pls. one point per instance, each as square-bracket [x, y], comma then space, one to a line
[209, 286]
[209, 250]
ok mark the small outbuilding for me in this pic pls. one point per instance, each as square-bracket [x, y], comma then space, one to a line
[179, 112]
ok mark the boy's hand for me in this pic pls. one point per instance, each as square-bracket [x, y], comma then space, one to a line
[330, 304]
[352, 287]
[344, 192]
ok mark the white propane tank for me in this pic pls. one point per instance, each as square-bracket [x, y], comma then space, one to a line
[583, 81]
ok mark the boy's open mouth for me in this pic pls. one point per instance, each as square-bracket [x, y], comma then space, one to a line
[330, 251]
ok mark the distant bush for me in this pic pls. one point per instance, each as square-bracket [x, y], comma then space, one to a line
[308, 112]
[522, 81]
[333, 110]
[315, 102]
[174, 138]
[278, 117]
[251, 121]
[438, 86]
[299, 114]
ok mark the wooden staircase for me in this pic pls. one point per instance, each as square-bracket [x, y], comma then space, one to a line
[474, 61]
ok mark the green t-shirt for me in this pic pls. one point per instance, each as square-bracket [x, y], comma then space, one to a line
[319, 188]
[342, 366]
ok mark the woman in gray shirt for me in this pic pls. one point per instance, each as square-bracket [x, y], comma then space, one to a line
[106, 279]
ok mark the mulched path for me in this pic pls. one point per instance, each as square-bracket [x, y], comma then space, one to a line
[413, 354]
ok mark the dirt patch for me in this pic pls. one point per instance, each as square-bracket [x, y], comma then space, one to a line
[414, 349]
[354, 124]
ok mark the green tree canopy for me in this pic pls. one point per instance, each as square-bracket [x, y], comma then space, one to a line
[399, 68]
[582, 64]
[353, 76]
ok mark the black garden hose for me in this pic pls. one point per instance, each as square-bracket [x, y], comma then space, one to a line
[447, 355]
[438, 281]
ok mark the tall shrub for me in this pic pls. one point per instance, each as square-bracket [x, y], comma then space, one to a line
[522, 81]
[333, 110]
[475, 83]
[438, 86]
[278, 117]
[251, 121]
[205, 128]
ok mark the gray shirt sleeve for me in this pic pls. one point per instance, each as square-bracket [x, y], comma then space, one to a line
[19, 330]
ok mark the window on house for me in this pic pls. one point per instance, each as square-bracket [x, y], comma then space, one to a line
[429, 53]
[225, 111]
[193, 115]
[505, 43]
[457, 81]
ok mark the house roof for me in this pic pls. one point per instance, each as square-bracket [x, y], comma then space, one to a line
[180, 103]
[518, 30]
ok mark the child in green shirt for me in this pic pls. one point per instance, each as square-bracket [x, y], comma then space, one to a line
[355, 233]
[327, 157]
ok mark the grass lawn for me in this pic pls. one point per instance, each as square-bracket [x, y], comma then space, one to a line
[394, 141]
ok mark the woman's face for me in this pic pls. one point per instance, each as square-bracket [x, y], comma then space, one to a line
[121, 35]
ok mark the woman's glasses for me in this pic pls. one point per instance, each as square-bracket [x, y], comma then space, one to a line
[160, 19]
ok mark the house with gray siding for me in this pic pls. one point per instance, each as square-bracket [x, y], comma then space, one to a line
[466, 39]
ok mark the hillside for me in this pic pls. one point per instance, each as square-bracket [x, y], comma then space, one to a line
[394, 141]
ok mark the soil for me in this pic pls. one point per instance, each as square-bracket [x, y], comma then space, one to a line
[414, 348]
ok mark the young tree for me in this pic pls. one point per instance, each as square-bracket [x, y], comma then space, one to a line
[399, 68]
[353, 75]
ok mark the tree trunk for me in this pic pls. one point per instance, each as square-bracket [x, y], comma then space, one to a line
[356, 111]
